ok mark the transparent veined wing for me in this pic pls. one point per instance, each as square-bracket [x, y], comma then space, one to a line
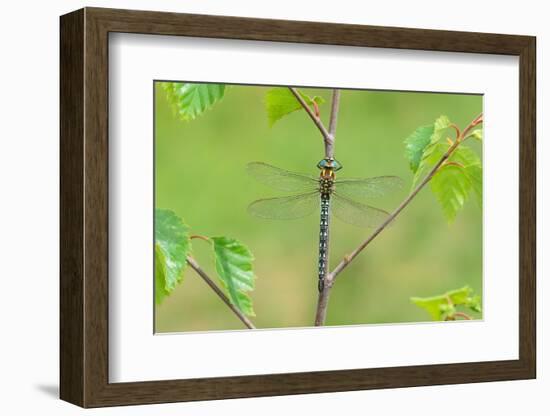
[280, 179]
[368, 187]
[356, 213]
[285, 208]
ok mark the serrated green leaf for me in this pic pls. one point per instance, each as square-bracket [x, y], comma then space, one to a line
[465, 156]
[234, 268]
[172, 244]
[475, 175]
[160, 275]
[190, 100]
[442, 306]
[453, 182]
[451, 187]
[472, 168]
[436, 153]
[280, 102]
[441, 123]
[420, 149]
[416, 143]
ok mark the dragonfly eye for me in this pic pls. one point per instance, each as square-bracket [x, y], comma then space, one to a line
[329, 163]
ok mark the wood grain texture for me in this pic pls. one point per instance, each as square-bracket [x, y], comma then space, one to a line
[527, 208]
[71, 100]
[84, 207]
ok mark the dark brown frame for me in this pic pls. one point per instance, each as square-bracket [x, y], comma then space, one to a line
[84, 207]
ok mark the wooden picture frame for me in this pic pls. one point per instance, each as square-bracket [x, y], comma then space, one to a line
[84, 207]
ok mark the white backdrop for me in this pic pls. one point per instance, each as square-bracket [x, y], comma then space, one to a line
[136, 355]
[29, 220]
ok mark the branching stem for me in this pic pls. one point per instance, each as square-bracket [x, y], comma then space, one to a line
[327, 137]
[349, 258]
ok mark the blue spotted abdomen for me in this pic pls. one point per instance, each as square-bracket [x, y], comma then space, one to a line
[323, 238]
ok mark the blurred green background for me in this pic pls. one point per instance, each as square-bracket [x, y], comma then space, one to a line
[200, 175]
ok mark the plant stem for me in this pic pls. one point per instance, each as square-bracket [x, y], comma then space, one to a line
[324, 294]
[463, 316]
[327, 137]
[195, 266]
[329, 146]
[322, 304]
[349, 258]
[200, 237]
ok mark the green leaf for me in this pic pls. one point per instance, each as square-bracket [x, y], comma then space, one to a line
[476, 134]
[447, 310]
[160, 275]
[451, 187]
[172, 245]
[435, 153]
[440, 125]
[454, 180]
[431, 305]
[465, 156]
[420, 147]
[234, 268]
[475, 175]
[191, 100]
[443, 306]
[472, 168]
[459, 296]
[280, 102]
[474, 303]
[416, 143]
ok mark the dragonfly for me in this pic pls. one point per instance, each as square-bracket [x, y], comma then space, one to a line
[324, 192]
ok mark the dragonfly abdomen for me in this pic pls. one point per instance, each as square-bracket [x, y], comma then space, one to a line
[323, 238]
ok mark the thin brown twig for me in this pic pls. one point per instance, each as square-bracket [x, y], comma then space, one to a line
[474, 123]
[456, 129]
[328, 139]
[463, 315]
[195, 266]
[329, 147]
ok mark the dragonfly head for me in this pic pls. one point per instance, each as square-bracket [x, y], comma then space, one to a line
[329, 165]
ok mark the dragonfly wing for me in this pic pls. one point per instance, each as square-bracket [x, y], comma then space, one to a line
[280, 179]
[368, 187]
[285, 208]
[356, 213]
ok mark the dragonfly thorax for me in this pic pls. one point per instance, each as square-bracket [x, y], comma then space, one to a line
[326, 184]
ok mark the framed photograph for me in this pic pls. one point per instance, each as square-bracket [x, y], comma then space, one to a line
[257, 207]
